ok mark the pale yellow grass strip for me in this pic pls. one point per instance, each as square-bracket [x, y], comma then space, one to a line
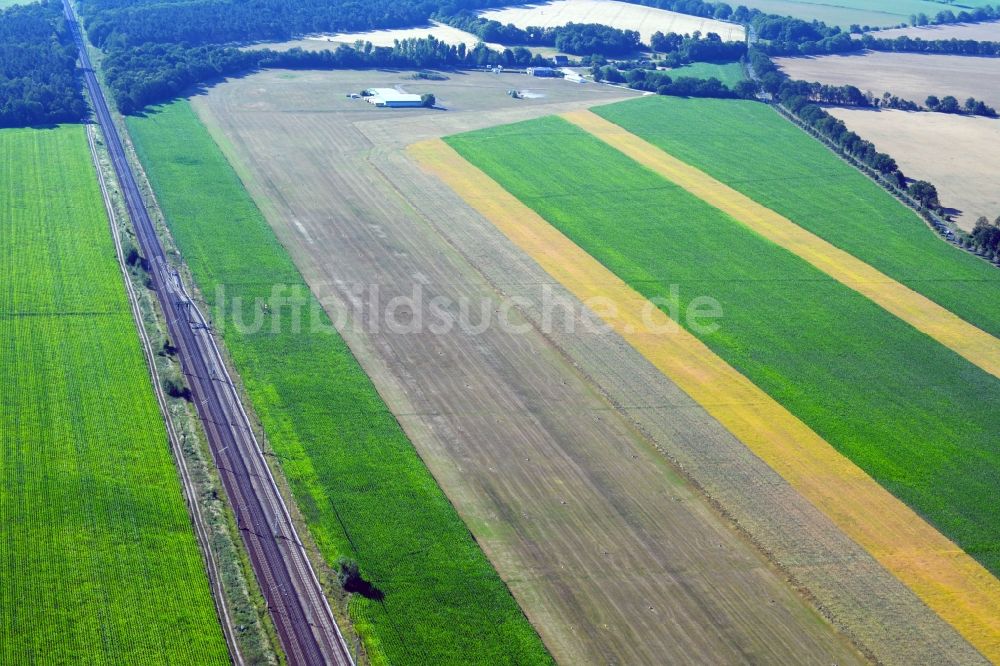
[957, 587]
[925, 315]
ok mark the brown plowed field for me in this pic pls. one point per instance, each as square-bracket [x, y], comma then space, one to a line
[546, 443]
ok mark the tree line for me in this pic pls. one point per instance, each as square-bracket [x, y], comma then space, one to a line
[946, 16]
[38, 82]
[802, 99]
[799, 100]
[154, 73]
[117, 23]
[682, 49]
[985, 238]
[574, 38]
[949, 104]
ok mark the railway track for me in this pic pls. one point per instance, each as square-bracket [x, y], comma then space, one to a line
[304, 621]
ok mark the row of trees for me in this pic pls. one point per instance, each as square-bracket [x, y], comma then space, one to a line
[155, 73]
[949, 104]
[802, 100]
[904, 44]
[38, 83]
[979, 14]
[575, 38]
[682, 49]
[985, 237]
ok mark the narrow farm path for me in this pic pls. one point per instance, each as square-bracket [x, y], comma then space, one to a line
[970, 342]
[943, 576]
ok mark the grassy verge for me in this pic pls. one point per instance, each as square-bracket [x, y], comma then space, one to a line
[914, 415]
[357, 479]
[752, 149]
[100, 561]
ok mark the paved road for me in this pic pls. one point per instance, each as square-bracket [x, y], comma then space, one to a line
[304, 621]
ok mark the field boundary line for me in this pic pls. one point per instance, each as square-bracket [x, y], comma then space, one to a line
[959, 589]
[968, 341]
[190, 492]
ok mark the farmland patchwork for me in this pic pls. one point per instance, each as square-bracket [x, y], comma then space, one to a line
[781, 167]
[362, 488]
[906, 410]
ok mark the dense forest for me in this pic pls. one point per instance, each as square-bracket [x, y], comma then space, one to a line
[38, 83]
[117, 23]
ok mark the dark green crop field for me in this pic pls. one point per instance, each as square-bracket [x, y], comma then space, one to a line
[917, 417]
[359, 482]
[752, 149]
[98, 559]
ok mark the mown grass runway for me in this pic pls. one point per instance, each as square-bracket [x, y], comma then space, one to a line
[356, 477]
[755, 151]
[910, 412]
[99, 560]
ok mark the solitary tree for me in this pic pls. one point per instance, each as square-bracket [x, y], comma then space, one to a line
[428, 100]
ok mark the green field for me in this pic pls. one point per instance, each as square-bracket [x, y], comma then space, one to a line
[729, 73]
[846, 12]
[754, 150]
[917, 417]
[356, 477]
[99, 560]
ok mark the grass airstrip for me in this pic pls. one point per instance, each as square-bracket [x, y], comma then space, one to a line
[99, 560]
[357, 479]
[905, 409]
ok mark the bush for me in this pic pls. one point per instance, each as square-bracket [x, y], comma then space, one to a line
[175, 388]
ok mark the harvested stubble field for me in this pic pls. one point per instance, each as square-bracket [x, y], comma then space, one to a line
[99, 560]
[362, 489]
[535, 438]
[912, 76]
[621, 15]
[959, 154]
[783, 168]
[554, 483]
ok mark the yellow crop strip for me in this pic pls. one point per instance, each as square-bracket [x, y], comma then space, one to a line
[948, 580]
[970, 342]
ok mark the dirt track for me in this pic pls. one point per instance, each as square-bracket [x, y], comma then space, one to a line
[535, 439]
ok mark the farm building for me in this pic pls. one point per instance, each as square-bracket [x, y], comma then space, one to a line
[542, 71]
[392, 98]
